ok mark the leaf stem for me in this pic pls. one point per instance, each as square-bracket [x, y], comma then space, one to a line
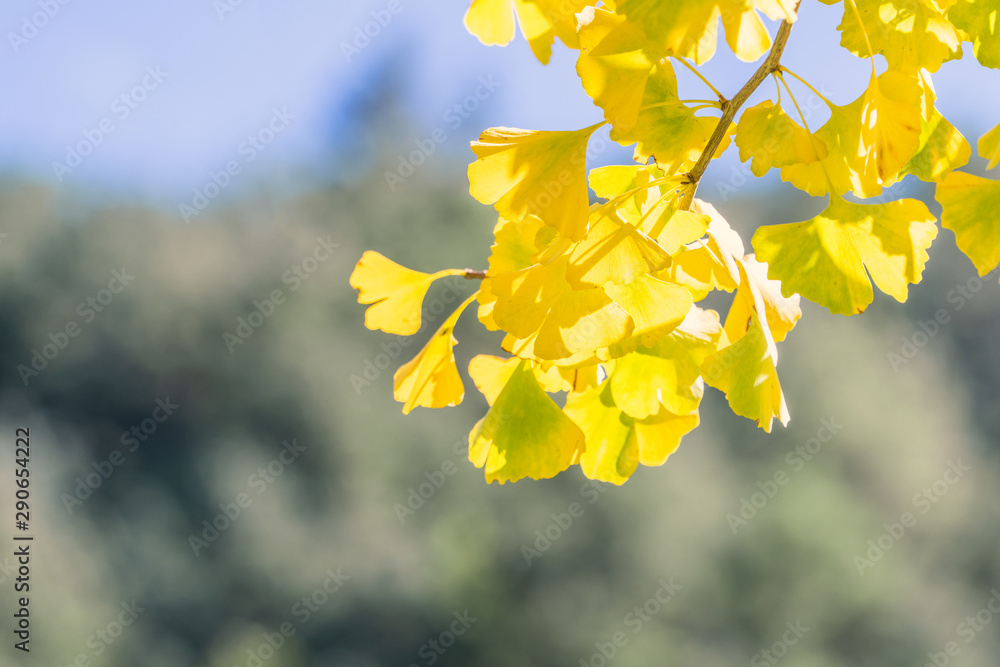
[722, 98]
[729, 108]
[677, 103]
[864, 31]
[784, 70]
[812, 137]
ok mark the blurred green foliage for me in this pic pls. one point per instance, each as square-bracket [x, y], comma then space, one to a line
[337, 507]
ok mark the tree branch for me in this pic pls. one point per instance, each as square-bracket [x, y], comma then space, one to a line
[729, 109]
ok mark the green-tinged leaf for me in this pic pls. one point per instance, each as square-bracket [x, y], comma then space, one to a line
[942, 150]
[656, 307]
[970, 205]
[980, 19]
[745, 371]
[524, 434]
[667, 131]
[769, 136]
[989, 147]
[539, 303]
[911, 34]
[613, 252]
[824, 259]
[666, 375]
[617, 443]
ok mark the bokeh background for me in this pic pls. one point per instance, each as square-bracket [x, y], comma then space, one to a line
[322, 547]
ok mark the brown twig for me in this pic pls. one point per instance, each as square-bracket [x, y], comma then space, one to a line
[730, 108]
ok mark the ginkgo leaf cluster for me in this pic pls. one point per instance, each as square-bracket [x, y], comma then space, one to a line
[596, 276]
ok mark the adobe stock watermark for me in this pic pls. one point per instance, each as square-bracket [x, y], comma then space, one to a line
[432, 650]
[258, 482]
[779, 649]
[556, 184]
[121, 108]
[968, 630]
[370, 30]
[923, 501]
[958, 297]
[130, 440]
[58, 341]
[373, 367]
[562, 521]
[796, 460]
[418, 496]
[294, 277]
[34, 23]
[302, 611]
[454, 117]
[101, 639]
[247, 151]
[635, 620]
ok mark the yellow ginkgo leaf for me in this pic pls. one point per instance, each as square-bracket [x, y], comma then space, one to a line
[911, 34]
[656, 307]
[746, 373]
[617, 443]
[980, 19]
[540, 173]
[615, 252]
[524, 434]
[671, 227]
[891, 124]
[710, 264]
[539, 304]
[666, 130]
[492, 21]
[395, 292]
[513, 249]
[824, 259]
[756, 292]
[612, 451]
[942, 150]
[632, 188]
[689, 29]
[514, 245]
[658, 437]
[651, 207]
[616, 180]
[989, 143]
[769, 136]
[969, 209]
[524, 348]
[614, 64]
[683, 29]
[848, 166]
[491, 374]
[431, 379]
[868, 141]
[666, 374]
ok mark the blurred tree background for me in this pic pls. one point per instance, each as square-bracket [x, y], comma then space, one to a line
[751, 534]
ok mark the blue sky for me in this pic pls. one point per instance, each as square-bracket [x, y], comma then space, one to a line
[224, 70]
